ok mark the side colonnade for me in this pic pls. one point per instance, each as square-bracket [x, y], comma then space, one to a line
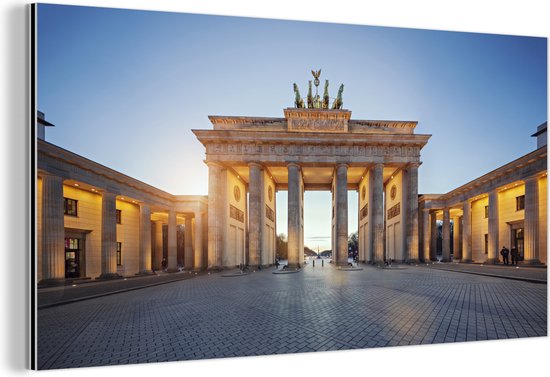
[93, 222]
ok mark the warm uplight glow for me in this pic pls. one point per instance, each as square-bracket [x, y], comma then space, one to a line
[76, 184]
[93, 190]
[121, 198]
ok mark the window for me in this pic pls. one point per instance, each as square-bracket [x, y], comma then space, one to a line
[520, 202]
[119, 253]
[486, 244]
[70, 207]
[486, 212]
[118, 216]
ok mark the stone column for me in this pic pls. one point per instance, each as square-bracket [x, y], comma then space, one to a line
[378, 213]
[215, 213]
[466, 231]
[172, 257]
[412, 226]
[198, 242]
[457, 253]
[188, 259]
[145, 239]
[53, 228]
[493, 252]
[341, 214]
[158, 245]
[446, 252]
[530, 243]
[294, 216]
[426, 237]
[433, 235]
[255, 213]
[108, 236]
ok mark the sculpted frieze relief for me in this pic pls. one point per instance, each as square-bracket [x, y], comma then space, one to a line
[313, 150]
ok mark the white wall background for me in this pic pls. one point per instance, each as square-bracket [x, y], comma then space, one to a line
[528, 17]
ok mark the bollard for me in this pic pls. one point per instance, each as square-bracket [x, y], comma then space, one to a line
[314, 263]
[322, 263]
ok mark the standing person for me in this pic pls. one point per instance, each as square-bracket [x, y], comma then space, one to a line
[515, 255]
[164, 263]
[504, 252]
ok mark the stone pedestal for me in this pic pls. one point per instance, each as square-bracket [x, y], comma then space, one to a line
[53, 230]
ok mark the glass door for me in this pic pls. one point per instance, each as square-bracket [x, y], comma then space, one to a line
[72, 258]
[517, 241]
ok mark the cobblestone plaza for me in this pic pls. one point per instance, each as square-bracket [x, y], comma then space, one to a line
[317, 309]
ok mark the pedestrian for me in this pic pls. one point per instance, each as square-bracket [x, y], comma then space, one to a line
[504, 252]
[515, 255]
[164, 263]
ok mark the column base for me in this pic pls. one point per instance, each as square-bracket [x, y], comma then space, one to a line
[493, 261]
[52, 282]
[145, 273]
[532, 262]
[466, 260]
[413, 261]
[109, 276]
[293, 266]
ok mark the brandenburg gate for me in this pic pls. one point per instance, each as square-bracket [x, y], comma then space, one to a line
[314, 147]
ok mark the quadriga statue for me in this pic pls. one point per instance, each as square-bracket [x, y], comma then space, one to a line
[337, 104]
[298, 101]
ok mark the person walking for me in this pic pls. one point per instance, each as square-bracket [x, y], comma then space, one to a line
[504, 252]
[514, 253]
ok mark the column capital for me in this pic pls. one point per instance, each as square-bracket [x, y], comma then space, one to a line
[290, 164]
[413, 164]
[255, 164]
[531, 178]
[378, 165]
[44, 173]
[214, 164]
[341, 164]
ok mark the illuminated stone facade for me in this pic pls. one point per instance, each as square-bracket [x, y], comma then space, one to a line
[505, 207]
[94, 222]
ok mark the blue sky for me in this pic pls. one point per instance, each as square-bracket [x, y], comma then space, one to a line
[124, 88]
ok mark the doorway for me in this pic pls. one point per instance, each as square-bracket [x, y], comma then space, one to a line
[74, 257]
[517, 240]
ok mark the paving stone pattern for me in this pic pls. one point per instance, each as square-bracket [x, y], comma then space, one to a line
[318, 309]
